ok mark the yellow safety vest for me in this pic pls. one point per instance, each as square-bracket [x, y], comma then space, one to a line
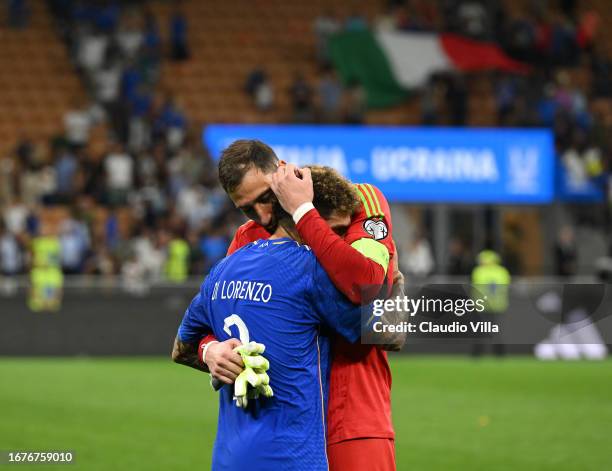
[491, 282]
[46, 251]
[177, 265]
[46, 283]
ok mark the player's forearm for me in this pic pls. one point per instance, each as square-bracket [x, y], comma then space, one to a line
[349, 269]
[394, 341]
[187, 354]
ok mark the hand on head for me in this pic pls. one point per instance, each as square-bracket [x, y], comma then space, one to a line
[292, 186]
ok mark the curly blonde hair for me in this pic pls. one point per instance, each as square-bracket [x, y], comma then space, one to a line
[332, 192]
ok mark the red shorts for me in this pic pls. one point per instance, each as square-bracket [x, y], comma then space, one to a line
[362, 454]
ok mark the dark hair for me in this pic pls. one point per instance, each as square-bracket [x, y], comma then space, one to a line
[240, 157]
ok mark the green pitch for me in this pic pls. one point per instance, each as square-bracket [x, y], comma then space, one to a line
[449, 413]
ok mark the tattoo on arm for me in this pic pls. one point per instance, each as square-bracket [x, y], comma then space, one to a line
[187, 354]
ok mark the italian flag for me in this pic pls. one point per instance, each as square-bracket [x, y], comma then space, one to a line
[389, 64]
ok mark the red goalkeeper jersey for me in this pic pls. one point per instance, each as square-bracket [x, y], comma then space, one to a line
[360, 383]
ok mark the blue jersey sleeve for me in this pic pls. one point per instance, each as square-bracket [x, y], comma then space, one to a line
[333, 308]
[195, 323]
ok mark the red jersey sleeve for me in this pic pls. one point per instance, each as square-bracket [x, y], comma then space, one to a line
[373, 219]
[349, 269]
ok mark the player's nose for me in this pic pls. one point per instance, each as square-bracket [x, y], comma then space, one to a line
[264, 212]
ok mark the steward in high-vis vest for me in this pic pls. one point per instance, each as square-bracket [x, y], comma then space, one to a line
[491, 284]
[177, 264]
[46, 251]
[46, 277]
[491, 280]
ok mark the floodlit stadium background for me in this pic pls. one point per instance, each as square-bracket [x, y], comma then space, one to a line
[487, 125]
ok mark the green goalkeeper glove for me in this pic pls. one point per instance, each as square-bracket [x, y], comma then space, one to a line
[254, 374]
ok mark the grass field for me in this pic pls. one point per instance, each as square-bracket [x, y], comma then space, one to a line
[449, 413]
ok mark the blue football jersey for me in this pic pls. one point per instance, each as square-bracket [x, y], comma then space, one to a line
[274, 292]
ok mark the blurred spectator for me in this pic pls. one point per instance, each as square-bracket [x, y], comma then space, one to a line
[355, 22]
[179, 48]
[102, 262]
[459, 263]
[152, 38]
[25, 150]
[255, 78]
[565, 253]
[547, 106]
[130, 36]
[11, 259]
[491, 284]
[582, 160]
[66, 167]
[196, 257]
[355, 104]
[133, 276]
[259, 88]
[387, 21]
[111, 230]
[473, 20]
[38, 180]
[325, 26]
[77, 123]
[587, 30]
[192, 204]
[519, 38]
[330, 96]
[119, 169]
[417, 259]
[150, 53]
[171, 123]
[46, 278]
[106, 81]
[563, 48]
[177, 260]
[74, 243]
[264, 96]
[139, 125]
[32, 224]
[147, 253]
[506, 91]
[91, 175]
[131, 80]
[92, 48]
[300, 93]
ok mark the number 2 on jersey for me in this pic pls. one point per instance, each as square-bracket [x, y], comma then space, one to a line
[243, 331]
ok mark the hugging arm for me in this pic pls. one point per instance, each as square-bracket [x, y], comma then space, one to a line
[187, 354]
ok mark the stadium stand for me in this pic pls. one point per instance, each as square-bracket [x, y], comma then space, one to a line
[154, 99]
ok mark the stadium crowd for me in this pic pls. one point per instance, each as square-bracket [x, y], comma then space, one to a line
[149, 204]
[152, 193]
